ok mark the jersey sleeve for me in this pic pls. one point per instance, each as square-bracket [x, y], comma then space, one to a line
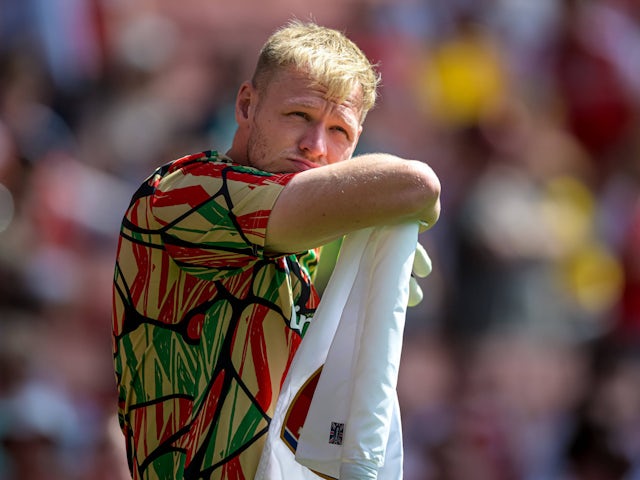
[214, 216]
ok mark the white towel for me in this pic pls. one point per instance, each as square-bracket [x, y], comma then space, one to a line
[352, 429]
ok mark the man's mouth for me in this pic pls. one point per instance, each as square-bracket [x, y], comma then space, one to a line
[303, 164]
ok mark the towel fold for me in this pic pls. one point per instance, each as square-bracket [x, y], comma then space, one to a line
[343, 377]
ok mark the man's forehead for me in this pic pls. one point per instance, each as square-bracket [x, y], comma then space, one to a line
[302, 81]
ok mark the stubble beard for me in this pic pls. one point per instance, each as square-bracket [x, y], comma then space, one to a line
[256, 148]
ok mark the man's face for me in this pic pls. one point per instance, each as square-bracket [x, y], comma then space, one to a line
[292, 127]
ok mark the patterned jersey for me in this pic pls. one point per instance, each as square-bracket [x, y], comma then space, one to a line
[205, 324]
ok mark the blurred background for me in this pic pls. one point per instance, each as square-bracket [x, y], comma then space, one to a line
[523, 360]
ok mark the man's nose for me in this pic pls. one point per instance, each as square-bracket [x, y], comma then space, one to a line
[314, 142]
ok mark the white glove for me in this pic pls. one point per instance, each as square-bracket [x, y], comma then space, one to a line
[421, 268]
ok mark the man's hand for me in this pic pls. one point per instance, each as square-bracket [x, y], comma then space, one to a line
[421, 268]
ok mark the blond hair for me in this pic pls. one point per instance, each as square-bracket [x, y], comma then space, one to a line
[330, 59]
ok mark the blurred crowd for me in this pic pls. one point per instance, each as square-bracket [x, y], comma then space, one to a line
[523, 360]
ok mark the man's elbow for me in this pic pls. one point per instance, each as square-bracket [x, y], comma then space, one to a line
[426, 189]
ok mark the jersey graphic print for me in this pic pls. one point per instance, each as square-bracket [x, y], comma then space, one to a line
[205, 325]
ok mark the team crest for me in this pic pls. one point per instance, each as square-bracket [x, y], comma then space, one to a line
[297, 414]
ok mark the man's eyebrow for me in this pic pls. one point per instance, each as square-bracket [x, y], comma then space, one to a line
[340, 110]
[302, 102]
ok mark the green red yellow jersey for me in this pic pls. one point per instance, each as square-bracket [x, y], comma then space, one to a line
[205, 323]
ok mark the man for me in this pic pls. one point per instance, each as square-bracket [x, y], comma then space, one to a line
[213, 281]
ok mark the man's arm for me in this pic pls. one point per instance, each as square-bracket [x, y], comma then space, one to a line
[322, 204]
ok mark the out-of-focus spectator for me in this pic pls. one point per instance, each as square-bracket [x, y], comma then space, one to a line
[527, 234]
[463, 75]
[598, 105]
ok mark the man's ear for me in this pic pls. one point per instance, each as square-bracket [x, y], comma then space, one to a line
[245, 102]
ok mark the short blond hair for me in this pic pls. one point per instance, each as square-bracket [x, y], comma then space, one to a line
[328, 56]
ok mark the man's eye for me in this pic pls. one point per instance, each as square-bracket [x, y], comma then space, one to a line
[341, 130]
[300, 114]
